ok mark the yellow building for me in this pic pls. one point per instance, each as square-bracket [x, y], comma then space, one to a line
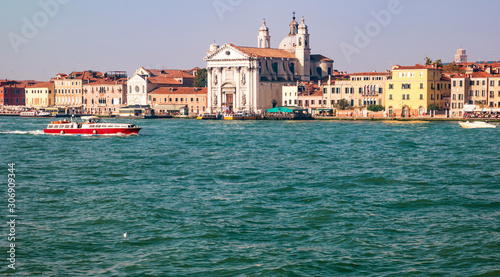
[69, 88]
[40, 95]
[414, 90]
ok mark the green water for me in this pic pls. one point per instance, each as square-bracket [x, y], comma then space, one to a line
[254, 198]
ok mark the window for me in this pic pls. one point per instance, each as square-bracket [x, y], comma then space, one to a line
[360, 90]
[391, 86]
[454, 96]
[492, 94]
[483, 82]
[492, 83]
[421, 97]
[312, 102]
[432, 86]
[482, 93]
[454, 83]
[432, 96]
[407, 97]
[405, 86]
[404, 96]
[461, 83]
[460, 97]
[421, 85]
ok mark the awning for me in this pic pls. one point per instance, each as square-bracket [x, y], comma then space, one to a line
[169, 107]
[285, 110]
[469, 108]
[326, 110]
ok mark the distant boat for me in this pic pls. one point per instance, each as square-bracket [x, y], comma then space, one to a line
[242, 116]
[476, 124]
[208, 116]
[27, 114]
[35, 114]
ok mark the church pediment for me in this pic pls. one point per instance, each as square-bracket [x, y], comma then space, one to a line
[227, 52]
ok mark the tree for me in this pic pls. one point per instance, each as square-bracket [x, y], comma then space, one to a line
[375, 108]
[342, 104]
[453, 68]
[434, 107]
[438, 63]
[200, 80]
[428, 61]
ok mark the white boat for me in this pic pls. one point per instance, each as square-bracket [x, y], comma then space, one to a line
[476, 124]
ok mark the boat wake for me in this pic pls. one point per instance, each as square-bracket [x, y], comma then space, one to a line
[34, 132]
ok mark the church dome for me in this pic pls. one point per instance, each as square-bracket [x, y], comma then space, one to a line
[288, 43]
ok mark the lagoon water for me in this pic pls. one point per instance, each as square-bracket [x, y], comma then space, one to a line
[254, 198]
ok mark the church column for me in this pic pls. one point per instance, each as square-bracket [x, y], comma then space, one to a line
[237, 93]
[255, 89]
[209, 89]
[219, 88]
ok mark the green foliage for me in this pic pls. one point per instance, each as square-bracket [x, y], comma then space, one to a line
[200, 80]
[342, 104]
[438, 63]
[375, 108]
[453, 68]
[434, 107]
[428, 61]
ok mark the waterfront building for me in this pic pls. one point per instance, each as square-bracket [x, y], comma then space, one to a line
[12, 93]
[165, 100]
[311, 99]
[105, 96]
[358, 89]
[414, 90]
[251, 78]
[40, 95]
[69, 88]
[290, 94]
[146, 80]
[459, 93]
[479, 88]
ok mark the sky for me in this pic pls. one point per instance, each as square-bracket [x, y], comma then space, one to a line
[40, 38]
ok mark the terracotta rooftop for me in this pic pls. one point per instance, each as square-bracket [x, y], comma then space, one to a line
[417, 66]
[171, 73]
[370, 74]
[164, 80]
[481, 74]
[41, 85]
[179, 90]
[265, 52]
[318, 57]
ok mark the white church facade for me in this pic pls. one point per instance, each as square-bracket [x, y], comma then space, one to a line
[250, 78]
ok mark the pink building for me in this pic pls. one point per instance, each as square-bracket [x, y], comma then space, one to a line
[104, 96]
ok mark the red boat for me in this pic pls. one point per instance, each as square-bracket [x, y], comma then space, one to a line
[90, 125]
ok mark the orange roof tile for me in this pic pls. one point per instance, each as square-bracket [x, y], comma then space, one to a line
[417, 66]
[179, 90]
[265, 52]
[318, 57]
[481, 74]
[41, 85]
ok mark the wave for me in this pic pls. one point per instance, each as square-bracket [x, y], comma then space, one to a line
[33, 132]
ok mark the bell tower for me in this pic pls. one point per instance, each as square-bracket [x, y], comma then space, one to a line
[264, 39]
[303, 52]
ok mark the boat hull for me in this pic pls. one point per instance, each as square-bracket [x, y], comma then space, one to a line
[93, 131]
[476, 125]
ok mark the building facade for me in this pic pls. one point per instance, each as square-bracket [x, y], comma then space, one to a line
[358, 89]
[104, 96]
[12, 93]
[414, 90]
[193, 98]
[146, 80]
[251, 78]
[40, 95]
